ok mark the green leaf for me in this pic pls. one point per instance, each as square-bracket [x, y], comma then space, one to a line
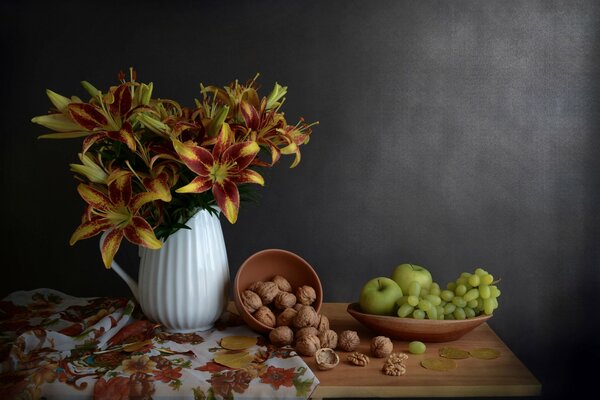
[303, 386]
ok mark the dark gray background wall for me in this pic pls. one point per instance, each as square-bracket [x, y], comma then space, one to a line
[453, 134]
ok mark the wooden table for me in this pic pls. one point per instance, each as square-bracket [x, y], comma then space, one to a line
[504, 376]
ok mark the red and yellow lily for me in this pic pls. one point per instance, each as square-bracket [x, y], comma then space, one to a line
[118, 213]
[220, 170]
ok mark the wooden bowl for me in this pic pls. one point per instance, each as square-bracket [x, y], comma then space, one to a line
[263, 266]
[408, 329]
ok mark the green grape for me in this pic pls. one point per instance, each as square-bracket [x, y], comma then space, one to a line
[431, 313]
[412, 300]
[451, 286]
[449, 308]
[473, 303]
[487, 279]
[447, 295]
[480, 271]
[469, 312]
[435, 289]
[418, 314]
[405, 310]
[449, 317]
[460, 290]
[459, 302]
[414, 288]
[417, 347]
[474, 280]
[461, 281]
[441, 316]
[424, 292]
[459, 313]
[471, 294]
[484, 291]
[440, 311]
[480, 304]
[466, 275]
[494, 291]
[435, 300]
[401, 300]
[424, 305]
[495, 302]
[488, 305]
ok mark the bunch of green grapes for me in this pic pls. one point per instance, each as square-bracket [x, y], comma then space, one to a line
[470, 295]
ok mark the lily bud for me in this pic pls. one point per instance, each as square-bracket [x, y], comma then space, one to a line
[146, 93]
[90, 88]
[153, 124]
[89, 169]
[276, 94]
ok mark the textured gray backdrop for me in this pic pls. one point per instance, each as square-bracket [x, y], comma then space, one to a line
[453, 134]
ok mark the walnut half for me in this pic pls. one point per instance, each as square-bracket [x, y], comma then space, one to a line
[359, 359]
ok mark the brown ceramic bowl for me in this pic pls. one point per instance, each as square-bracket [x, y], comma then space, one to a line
[425, 330]
[263, 266]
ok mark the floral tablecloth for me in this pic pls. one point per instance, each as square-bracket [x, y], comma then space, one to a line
[56, 346]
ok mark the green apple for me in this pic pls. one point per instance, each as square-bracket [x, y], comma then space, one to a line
[404, 274]
[379, 296]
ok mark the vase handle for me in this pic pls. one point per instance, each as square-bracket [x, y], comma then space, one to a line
[133, 286]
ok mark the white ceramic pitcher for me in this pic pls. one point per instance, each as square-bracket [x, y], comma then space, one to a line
[185, 284]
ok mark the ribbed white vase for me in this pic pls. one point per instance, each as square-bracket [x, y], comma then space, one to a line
[184, 285]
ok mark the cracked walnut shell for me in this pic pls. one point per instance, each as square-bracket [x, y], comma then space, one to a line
[348, 340]
[308, 345]
[284, 300]
[326, 358]
[281, 336]
[282, 283]
[306, 295]
[251, 301]
[265, 316]
[381, 346]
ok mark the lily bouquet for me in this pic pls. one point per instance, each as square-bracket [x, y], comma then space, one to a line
[149, 164]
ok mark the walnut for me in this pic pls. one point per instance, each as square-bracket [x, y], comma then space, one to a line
[281, 336]
[284, 300]
[394, 364]
[328, 338]
[381, 346]
[251, 301]
[282, 283]
[255, 285]
[359, 359]
[298, 306]
[286, 317]
[326, 358]
[267, 292]
[265, 315]
[307, 330]
[306, 295]
[348, 340]
[308, 345]
[307, 316]
[323, 324]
